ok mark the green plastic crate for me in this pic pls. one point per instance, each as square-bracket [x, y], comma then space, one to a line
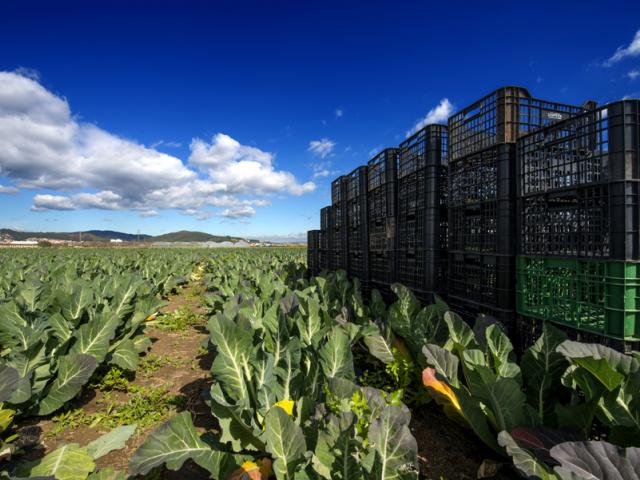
[591, 295]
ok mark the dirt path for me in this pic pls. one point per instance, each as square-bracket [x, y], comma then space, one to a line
[176, 364]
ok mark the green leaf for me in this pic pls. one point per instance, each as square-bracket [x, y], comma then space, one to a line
[604, 363]
[108, 474]
[524, 461]
[335, 356]
[401, 313]
[286, 442]
[379, 348]
[395, 448]
[9, 382]
[74, 372]
[175, 442]
[542, 368]
[114, 440]
[596, 460]
[238, 426]
[68, 462]
[461, 336]
[93, 338]
[125, 355]
[445, 363]
[234, 347]
[336, 452]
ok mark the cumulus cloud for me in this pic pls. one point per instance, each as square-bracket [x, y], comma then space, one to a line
[633, 74]
[239, 212]
[8, 190]
[321, 148]
[631, 50]
[43, 146]
[437, 114]
[148, 213]
[243, 169]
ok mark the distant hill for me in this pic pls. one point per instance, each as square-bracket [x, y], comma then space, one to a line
[17, 235]
[187, 236]
[109, 234]
[106, 235]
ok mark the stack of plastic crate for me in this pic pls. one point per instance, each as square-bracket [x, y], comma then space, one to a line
[338, 228]
[482, 198]
[313, 251]
[382, 182]
[357, 227]
[422, 212]
[578, 261]
[324, 263]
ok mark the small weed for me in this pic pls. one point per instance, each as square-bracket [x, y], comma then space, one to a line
[145, 407]
[179, 320]
[151, 363]
[114, 379]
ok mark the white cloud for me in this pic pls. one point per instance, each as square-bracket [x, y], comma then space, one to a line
[437, 114]
[162, 143]
[8, 190]
[321, 148]
[148, 213]
[43, 146]
[633, 74]
[243, 169]
[339, 112]
[239, 212]
[631, 50]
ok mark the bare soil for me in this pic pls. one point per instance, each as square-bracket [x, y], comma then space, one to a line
[189, 377]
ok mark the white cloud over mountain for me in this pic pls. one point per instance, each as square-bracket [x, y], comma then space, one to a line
[43, 146]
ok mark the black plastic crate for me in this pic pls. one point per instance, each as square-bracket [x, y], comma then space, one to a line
[382, 267]
[596, 221]
[471, 312]
[382, 234]
[359, 265]
[339, 190]
[323, 237]
[599, 146]
[502, 117]
[484, 279]
[424, 188]
[382, 201]
[423, 229]
[357, 236]
[487, 227]
[313, 239]
[483, 176]
[325, 217]
[338, 260]
[425, 148]
[313, 262]
[529, 329]
[383, 168]
[482, 202]
[424, 271]
[323, 260]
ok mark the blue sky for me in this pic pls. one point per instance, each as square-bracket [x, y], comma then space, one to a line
[233, 117]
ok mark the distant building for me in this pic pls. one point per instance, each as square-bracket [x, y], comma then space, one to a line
[116, 240]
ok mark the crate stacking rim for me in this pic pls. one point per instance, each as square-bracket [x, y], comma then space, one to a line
[591, 295]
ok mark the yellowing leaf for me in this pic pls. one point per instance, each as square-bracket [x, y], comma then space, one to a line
[247, 471]
[401, 348]
[286, 405]
[430, 381]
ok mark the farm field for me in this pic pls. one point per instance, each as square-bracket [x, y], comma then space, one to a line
[235, 364]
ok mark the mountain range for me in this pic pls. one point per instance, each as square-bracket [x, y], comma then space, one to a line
[107, 235]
